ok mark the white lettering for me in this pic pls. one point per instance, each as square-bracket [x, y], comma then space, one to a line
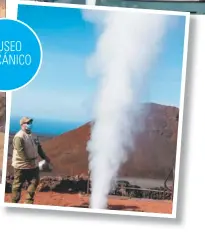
[28, 60]
[9, 59]
[10, 46]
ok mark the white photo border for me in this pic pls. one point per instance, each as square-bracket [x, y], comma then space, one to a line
[11, 12]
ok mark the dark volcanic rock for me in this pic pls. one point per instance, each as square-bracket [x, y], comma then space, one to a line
[59, 184]
[63, 184]
[79, 184]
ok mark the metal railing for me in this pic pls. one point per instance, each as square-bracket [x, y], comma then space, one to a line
[139, 193]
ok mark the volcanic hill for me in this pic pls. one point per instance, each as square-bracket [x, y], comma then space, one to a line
[155, 146]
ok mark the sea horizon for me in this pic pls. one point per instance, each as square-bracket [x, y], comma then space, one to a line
[43, 127]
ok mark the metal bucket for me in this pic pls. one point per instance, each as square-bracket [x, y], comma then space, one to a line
[45, 166]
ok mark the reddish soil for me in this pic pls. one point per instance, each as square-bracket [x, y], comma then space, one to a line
[115, 203]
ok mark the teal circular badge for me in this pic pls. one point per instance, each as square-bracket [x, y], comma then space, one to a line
[20, 54]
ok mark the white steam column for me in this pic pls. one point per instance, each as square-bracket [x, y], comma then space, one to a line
[126, 48]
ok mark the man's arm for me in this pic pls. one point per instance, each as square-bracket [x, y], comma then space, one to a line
[41, 152]
[18, 144]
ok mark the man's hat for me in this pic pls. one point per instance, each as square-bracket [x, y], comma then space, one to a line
[25, 120]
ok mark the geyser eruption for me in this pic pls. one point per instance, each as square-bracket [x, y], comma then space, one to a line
[126, 48]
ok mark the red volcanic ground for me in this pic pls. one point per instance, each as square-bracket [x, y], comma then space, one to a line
[115, 203]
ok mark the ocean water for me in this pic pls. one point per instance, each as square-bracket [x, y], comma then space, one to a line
[46, 127]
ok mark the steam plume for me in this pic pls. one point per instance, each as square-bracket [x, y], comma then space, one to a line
[126, 48]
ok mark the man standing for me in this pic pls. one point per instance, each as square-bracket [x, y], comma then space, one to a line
[26, 148]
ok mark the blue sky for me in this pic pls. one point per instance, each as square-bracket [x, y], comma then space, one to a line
[62, 90]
